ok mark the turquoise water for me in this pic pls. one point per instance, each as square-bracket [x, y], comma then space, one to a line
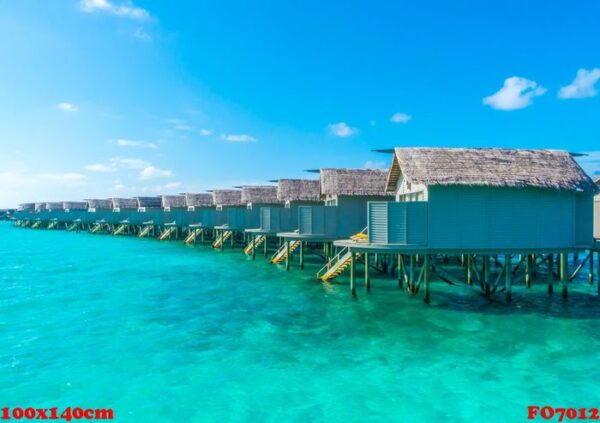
[162, 332]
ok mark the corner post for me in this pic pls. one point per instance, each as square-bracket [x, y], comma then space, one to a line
[367, 280]
[352, 271]
[564, 277]
[508, 277]
[426, 278]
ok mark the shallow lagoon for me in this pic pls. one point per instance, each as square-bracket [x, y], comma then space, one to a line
[163, 332]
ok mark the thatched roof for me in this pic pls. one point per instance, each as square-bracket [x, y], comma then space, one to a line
[356, 182]
[26, 206]
[40, 206]
[173, 201]
[124, 203]
[597, 181]
[497, 167]
[259, 194]
[199, 200]
[298, 190]
[227, 197]
[94, 203]
[74, 205]
[149, 201]
[54, 205]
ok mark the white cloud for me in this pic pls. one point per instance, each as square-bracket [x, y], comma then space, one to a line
[152, 172]
[68, 178]
[126, 10]
[140, 34]
[590, 162]
[129, 163]
[171, 185]
[238, 138]
[99, 167]
[582, 86]
[342, 130]
[375, 165]
[205, 132]
[400, 118]
[67, 107]
[130, 143]
[516, 93]
[180, 125]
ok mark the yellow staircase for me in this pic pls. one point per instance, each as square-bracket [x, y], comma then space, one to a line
[97, 227]
[167, 233]
[191, 238]
[144, 232]
[36, 224]
[72, 226]
[337, 265]
[121, 228]
[254, 244]
[223, 236]
[52, 224]
[281, 254]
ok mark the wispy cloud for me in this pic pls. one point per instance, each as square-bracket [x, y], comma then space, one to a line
[69, 178]
[67, 107]
[516, 93]
[582, 86]
[205, 132]
[100, 167]
[238, 138]
[400, 118]
[129, 163]
[153, 172]
[342, 130]
[126, 10]
[131, 143]
[369, 164]
[590, 162]
[140, 34]
[180, 124]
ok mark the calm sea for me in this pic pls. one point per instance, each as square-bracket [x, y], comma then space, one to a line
[161, 332]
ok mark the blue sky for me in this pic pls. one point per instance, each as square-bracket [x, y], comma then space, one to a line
[108, 98]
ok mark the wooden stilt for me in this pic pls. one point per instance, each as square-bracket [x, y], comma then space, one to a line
[352, 282]
[411, 274]
[426, 278]
[486, 275]
[564, 277]
[265, 246]
[367, 281]
[528, 270]
[254, 246]
[469, 270]
[287, 255]
[400, 275]
[508, 277]
[591, 272]
[550, 274]
[301, 254]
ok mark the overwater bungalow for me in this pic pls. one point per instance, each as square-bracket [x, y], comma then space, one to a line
[225, 200]
[597, 213]
[176, 216]
[149, 218]
[253, 199]
[72, 213]
[477, 205]
[346, 193]
[98, 213]
[24, 214]
[292, 193]
[203, 217]
[120, 221]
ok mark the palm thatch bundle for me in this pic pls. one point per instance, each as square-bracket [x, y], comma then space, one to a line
[490, 167]
[259, 194]
[26, 207]
[173, 201]
[298, 190]
[74, 205]
[149, 202]
[94, 203]
[40, 207]
[355, 182]
[124, 203]
[227, 197]
[199, 200]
